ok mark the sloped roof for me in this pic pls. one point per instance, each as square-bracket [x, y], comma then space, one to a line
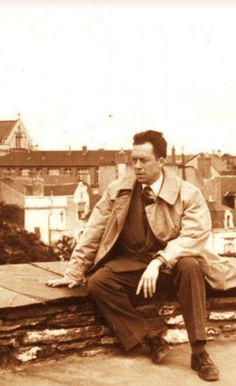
[230, 194]
[5, 128]
[60, 190]
[17, 185]
[57, 158]
[216, 162]
[229, 172]
[228, 184]
[179, 158]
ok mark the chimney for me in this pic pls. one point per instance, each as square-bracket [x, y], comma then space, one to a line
[204, 165]
[121, 157]
[173, 156]
[84, 149]
[37, 186]
[121, 162]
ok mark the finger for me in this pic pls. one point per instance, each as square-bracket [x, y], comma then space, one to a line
[55, 284]
[145, 290]
[154, 286]
[51, 283]
[140, 284]
[74, 284]
[150, 291]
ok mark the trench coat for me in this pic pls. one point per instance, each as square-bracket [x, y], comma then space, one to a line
[179, 219]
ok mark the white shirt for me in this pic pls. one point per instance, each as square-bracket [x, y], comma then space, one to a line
[156, 186]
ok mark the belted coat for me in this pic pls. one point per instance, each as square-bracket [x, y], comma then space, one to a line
[179, 219]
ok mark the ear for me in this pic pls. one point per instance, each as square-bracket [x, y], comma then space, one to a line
[162, 162]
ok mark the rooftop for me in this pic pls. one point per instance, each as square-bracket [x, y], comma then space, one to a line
[5, 128]
[57, 158]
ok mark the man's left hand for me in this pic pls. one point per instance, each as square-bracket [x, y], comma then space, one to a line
[149, 279]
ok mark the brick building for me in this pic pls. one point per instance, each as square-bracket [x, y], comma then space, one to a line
[94, 167]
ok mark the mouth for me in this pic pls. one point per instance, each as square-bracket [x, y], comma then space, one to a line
[139, 175]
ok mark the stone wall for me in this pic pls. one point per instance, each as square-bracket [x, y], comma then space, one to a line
[50, 329]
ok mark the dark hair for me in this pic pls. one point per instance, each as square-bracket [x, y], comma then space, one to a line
[155, 138]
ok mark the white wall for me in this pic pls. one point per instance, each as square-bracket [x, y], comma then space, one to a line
[219, 238]
[46, 213]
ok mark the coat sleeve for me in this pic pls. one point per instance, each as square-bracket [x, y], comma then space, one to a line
[194, 231]
[85, 251]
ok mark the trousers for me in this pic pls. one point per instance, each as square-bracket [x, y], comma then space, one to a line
[112, 292]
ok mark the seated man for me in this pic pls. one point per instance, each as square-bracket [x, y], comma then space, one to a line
[145, 235]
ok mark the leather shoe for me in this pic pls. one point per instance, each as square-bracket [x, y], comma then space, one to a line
[205, 367]
[159, 348]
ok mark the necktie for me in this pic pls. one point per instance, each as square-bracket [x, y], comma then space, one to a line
[149, 196]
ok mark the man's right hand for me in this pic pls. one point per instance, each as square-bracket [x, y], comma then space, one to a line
[64, 281]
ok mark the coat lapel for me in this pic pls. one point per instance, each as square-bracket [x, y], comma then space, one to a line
[121, 209]
[170, 187]
[168, 192]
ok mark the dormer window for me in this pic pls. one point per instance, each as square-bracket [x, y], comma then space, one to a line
[228, 220]
[19, 137]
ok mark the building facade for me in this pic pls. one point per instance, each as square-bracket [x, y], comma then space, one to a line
[13, 135]
[60, 211]
[223, 234]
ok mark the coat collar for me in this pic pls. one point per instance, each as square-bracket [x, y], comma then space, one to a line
[169, 190]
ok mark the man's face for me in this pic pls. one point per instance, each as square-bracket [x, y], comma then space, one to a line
[146, 167]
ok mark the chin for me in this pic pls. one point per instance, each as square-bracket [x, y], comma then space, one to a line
[141, 179]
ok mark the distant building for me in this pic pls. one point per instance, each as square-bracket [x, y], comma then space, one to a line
[230, 162]
[96, 168]
[207, 165]
[221, 189]
[13, 135]
[59, 211]
[223, 234]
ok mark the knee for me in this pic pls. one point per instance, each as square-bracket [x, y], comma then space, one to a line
[99, 283]
[188, 265]
[93, 285]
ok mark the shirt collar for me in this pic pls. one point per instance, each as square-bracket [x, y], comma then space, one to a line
[156, 186]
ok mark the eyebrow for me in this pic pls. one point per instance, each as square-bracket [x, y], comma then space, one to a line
[136, 157]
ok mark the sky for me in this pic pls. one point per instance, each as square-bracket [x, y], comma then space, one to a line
[96, 72]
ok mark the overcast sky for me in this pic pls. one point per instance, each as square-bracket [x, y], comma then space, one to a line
[91, 73]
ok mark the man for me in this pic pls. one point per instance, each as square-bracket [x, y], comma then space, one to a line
[146, 235]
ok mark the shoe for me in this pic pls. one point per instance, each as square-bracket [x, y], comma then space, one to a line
[159, 348]
[205, 367]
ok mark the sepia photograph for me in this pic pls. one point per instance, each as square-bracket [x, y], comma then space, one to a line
[117, 192]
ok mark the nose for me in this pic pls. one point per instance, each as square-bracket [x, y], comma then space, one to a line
[137, 164]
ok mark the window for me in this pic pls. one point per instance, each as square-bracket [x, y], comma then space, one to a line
[53, 172]
[96, 179]
[37, 232]
[39, 172]
[18, 139]
[80, 209]
[83, 175]
[12, 171]
[68, 171]
[62, 216]
[9, 171]
[228, 219]
[228, 246]
[95, 190]
[24, 172]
